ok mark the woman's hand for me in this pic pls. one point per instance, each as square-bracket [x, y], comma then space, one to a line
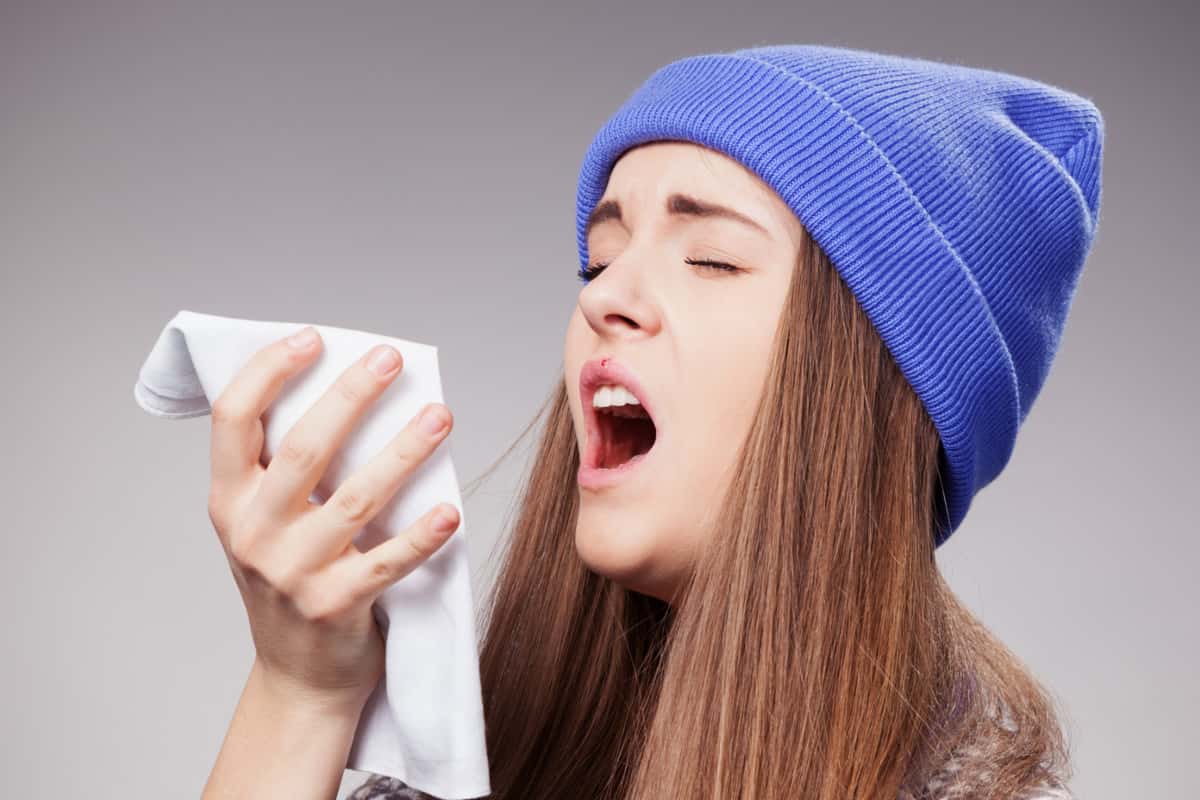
[306, 587]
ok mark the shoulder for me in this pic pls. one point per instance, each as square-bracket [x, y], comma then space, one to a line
[383, 787]
[960, 790]
[970, 772]
[1051, 793]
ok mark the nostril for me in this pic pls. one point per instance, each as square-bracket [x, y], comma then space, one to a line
[619, 319]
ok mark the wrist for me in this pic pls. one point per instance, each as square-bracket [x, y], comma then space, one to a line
[291, 697]
[285, 740]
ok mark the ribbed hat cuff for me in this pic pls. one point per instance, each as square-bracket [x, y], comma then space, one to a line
[822, 162]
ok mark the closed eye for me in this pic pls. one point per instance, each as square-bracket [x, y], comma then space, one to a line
[719, 265]
[592, 270]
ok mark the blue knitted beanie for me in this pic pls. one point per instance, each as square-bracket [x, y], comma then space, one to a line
[958, 204]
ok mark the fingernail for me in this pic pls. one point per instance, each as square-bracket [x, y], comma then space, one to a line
[445, 521]
[432, 420]
[304, 339]
[383, 360]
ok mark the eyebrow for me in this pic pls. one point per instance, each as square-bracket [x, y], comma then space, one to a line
[677, 205]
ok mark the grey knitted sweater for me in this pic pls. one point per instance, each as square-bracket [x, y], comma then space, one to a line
[960, 779]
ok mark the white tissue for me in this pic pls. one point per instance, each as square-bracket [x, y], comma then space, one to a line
[424, 722]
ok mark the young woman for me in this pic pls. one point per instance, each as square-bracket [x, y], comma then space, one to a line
[821, 289]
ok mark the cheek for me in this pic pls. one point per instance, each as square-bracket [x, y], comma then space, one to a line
[725, 385]
[715, 423]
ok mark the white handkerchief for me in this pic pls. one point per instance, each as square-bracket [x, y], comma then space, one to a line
[424, 721]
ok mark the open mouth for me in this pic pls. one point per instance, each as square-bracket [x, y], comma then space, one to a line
[623, 432]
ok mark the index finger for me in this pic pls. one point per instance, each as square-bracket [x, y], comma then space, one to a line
[237, 430]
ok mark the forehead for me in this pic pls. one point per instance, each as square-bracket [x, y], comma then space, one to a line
[686, 165]
[646, 175]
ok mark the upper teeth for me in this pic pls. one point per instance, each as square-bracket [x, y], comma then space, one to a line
[616, 395]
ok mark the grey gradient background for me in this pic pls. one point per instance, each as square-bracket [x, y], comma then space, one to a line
[410, 169]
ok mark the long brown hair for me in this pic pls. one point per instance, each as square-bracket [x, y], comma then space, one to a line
[815, 650]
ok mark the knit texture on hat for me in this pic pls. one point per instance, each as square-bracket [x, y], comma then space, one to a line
[957, 203]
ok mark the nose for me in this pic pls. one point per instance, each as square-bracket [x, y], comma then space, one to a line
[618, 303]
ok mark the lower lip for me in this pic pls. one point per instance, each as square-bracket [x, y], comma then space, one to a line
[595, 478]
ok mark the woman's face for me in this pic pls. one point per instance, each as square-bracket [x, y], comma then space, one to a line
[693, 341]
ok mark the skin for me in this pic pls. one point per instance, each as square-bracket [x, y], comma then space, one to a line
[307, 588]
[697, 337]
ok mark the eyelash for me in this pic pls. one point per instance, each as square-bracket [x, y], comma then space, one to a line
[592, 270]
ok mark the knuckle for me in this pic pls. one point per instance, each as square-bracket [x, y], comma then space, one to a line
[298, 455]
[282, 577]
[381, 572]
[403, 456]
[419, 548]
[319, 606]
[355, 506]
[215, 504]
[243, 549]
[350, 392]
[218, 515]
[246, 548]
[227, 411]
